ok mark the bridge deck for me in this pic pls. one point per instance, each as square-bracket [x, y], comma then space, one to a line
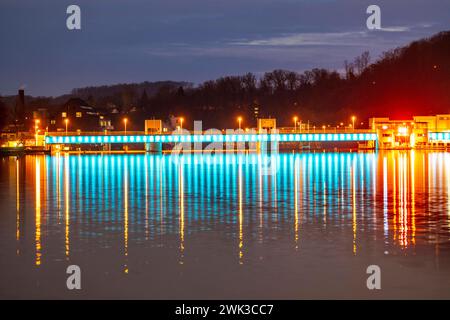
[112, 137]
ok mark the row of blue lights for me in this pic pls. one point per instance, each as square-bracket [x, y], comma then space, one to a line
[212, 138]
[440, 136]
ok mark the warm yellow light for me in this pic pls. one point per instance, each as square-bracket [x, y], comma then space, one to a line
[239, 119]
[413, 140]
[353, 118]
[125, 120]
[181, 122]
[295, 119]
[403, 130]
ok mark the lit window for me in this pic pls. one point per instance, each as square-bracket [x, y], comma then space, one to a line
[403, 130]
[64, 114]
[53, 121]
[78, 114]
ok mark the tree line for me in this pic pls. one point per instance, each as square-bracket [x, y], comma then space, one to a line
[407, 81]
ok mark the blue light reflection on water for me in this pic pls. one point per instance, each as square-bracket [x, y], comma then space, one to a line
[211, 189]
[364, 203]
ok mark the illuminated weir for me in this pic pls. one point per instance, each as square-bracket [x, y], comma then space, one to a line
[422, 132]
[210, 138]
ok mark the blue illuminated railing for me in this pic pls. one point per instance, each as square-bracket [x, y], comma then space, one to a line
[176, 138]
[439, 136]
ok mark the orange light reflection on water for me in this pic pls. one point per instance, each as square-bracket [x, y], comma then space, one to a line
[405, 181]
[38, 211]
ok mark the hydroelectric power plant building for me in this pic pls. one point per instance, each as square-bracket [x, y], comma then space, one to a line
[421, 132]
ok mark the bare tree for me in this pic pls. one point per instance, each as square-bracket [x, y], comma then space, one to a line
[362, 62]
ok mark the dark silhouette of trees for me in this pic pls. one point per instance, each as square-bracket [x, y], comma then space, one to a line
[413, 80]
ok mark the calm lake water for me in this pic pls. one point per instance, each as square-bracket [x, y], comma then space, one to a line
[226, 226]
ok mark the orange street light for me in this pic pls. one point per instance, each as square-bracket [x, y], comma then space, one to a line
[36, 130]
[295, 123]
[353, 122]
[125, 121]
[323, 127]
[66, 120]
[181, 123]
[239, 119]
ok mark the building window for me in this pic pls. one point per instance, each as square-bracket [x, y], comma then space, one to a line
[53, 121]
[78, 114]
[64, 114]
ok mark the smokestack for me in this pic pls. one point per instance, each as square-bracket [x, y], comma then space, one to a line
[20, 106]
[22, 97]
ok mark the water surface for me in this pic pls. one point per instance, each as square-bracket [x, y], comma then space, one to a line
[226, 226]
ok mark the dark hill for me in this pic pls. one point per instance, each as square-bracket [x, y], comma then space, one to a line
[407, 81]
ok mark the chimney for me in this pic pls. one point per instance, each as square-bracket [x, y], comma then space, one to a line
[22, 97]
[20, 106]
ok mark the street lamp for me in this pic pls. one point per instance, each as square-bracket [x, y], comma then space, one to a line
[36, 130]
[295, 123]
[67, 123]
[323, 127]
[353, 122]
[239, 119]
[125, 121]
[181, 123]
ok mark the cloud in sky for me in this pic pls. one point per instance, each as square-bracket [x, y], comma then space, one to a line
[311, 39]
[396, 29]
[194, 40]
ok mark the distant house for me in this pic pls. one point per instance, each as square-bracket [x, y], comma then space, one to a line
[79, 116]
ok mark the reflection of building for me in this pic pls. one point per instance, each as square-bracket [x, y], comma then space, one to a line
[394, 134]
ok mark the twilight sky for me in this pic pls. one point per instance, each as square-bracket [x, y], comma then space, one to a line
[194, 40]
